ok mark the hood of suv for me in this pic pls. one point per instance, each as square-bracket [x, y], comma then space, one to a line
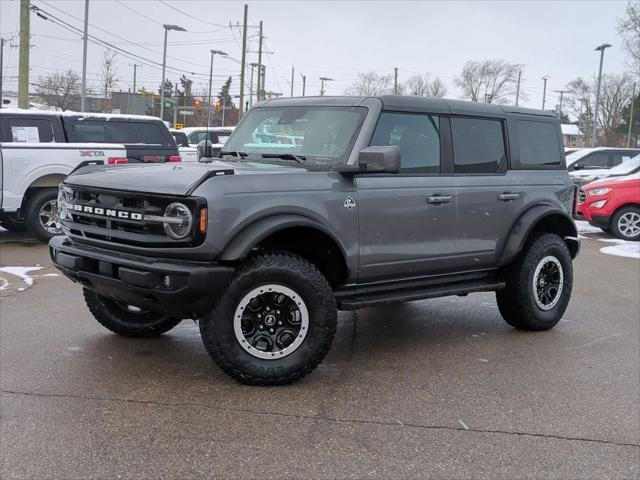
[167, 178]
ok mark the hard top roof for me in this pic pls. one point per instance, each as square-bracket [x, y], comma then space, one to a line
[408, 103]
[69, 113]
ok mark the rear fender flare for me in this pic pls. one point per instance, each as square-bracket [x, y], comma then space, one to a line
[528, 221]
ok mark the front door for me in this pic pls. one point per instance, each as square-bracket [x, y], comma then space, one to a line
[407, 221]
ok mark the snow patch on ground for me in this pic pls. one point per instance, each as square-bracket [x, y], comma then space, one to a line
[20, 272]
[585, 227]
[621, 248]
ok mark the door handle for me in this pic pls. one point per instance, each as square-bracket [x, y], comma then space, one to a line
[437, 199]
[507, 196]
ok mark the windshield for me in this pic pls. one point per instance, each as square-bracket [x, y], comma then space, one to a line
[318, 135]
[626, 167]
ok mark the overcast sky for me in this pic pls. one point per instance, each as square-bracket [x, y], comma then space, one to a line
[333, 39]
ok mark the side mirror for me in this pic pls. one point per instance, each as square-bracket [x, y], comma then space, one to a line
[380, 159]
[383, 159]
[205, 149]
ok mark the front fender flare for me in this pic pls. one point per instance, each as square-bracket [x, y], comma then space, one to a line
[240, 246]
[527, 222]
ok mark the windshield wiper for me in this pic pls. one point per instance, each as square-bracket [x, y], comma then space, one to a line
[285, 156]
[235, 154]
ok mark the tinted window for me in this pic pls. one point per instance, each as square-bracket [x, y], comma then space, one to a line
[151, 133]
[119, 132]
[29, 130]
[197, 137]
[539, 144]
[478, 145]
[180, 138]
[619, 157]
[418, 137]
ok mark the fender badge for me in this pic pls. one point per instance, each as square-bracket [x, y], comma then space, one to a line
[349, 203]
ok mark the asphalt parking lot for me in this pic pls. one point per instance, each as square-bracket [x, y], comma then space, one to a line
[435, 389]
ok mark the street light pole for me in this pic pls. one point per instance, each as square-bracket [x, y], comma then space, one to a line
[322, 80]
[213, 52]
[253, 65]
[561, 92]
[164, 63]
[83, 91]
[544, 90]
[594, 127]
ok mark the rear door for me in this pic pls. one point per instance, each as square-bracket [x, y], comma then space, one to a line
[489, 194]
[407, 220]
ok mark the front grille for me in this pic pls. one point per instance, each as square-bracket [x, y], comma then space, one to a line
[582, 196]
[124, 217]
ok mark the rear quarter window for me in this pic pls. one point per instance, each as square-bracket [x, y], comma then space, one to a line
[539, 144]
[27, 130]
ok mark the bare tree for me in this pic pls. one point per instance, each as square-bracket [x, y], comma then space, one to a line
[490, 81]
[437, 88]
[615, 94]
[417, 85]
[61, 90]
[370, 83]
[108, 73]
[629, 30]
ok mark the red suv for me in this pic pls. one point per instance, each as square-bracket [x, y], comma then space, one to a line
[613, 204]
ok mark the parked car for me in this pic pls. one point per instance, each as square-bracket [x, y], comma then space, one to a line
[187, 152]
[387, 199]
[39, 148]
[613, 204]
[627, 167]
[599, 158]
[216, 135]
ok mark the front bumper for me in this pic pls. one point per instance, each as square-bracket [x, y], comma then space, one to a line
[177, 288]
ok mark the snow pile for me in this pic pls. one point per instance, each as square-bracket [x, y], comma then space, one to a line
[24, 274]
[622, 248]
[585, 227]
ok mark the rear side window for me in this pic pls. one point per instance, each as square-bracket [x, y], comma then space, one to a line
[478, 145]
[418, 137]
[539, 144]
[28, 130]
[593, 161]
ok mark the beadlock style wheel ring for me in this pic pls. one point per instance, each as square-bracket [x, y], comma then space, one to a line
[548, 280]
[271, 322]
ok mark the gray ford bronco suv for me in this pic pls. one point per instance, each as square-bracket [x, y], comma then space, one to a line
[322, 204]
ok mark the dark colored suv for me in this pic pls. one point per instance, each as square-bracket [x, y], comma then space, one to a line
[379, 200]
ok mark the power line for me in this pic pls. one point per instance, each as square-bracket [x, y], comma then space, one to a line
[190, 16]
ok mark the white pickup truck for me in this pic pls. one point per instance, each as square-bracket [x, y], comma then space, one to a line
[39, 149]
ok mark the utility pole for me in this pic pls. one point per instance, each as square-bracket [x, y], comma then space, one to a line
[518, 87]
[83, 90]
[561, 92]
[259, 62]
[601, 48]
[304, 84]
[175, 106]
[23, 67]
[633, 100]
[1, 52]
[243, 60]
[544, 90]
[292, 74]
[395, 81]
[135, 68]
[322, 80]
[264, 81]
[253, 65]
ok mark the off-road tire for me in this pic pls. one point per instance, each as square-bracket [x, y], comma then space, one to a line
[32, 214]
[118, 319]
[516, 301]
[615, 229]
[290, 271]
[10, 222]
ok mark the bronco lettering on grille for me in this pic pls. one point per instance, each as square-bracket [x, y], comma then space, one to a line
[108, 212]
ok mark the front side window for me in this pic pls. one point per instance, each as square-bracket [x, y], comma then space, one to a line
[595, 160]
[30, 130]
[538, 143]
[478, 145]
[319, 136]
[418, 137]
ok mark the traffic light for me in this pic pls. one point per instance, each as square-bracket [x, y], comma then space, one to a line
[218, 106]
[197, 104]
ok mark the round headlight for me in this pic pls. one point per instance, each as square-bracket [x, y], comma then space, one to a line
[179, 222]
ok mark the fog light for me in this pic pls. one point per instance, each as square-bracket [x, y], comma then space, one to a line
[598, 204]
[166, 281]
